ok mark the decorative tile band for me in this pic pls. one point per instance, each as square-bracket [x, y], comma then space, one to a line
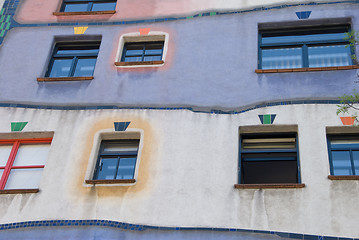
[136, 227]
[212, 111]
[9, 8]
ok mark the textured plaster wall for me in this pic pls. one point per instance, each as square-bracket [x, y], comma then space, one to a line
[210, 63]
[187, 172]
[37, 11]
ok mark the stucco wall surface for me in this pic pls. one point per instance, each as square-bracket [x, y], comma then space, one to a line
[37, 11]
[187, 172]
[210, 63]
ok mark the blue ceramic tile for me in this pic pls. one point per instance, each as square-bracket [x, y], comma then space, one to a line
[296, 236]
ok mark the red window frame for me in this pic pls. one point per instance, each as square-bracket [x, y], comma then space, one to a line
[15, 147]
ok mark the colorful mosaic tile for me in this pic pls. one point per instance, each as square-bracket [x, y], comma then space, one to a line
[18, 126]
[267, 118]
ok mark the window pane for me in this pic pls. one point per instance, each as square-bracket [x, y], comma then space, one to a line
[108, 168]
[153, 51]
[4, 154]
[327, 56]
[303, 38]
[61, 68]
[77, 50]
[120, 146]
[356, 161]
[85, 67]
[126, 168]
[35, 154]
[152, 58]
[134, 52]
[75, 7]
[341, 163]
[24, 178]
[105, 6]
[1, 172]
[133, 59]
[281, 58]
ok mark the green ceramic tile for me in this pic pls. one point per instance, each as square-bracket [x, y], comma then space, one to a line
[2, 33]
[2, 18]
[7, 26]
[189, 17]
[8, 18]
[2, 11]
[212, 13]
[17, 126]
[267, 119]
[2, 26]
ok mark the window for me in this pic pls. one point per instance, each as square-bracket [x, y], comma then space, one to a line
[269, 158]
[73, 59]
[343, 155]
[304, 47]
[117, 160]
[142, 52]
[146, 50]
[21, 164]
[88, 5]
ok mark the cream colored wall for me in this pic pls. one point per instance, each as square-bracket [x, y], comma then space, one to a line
[187, 172]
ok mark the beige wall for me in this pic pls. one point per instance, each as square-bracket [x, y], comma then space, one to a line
[187, 172]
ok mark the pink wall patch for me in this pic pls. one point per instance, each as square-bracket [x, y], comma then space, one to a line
[144, 31]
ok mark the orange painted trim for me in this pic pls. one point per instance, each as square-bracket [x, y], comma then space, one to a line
[269, 186]
[19, 191]
[139, 63]
[347, 121]
[55, 79]
[350, 177]
[144, 31]
[110, 181]
[307, 69]
[83, 13]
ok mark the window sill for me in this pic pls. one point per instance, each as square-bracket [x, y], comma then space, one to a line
[306, 69]
[56, 79]
[268, 186]
[114, 181]
[19, 191]
[83, 13]
[139, 63]
[344, 177]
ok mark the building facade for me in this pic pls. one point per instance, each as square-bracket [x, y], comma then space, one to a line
[177, 120]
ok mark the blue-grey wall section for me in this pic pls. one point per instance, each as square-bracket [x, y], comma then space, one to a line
[211, 63]
[99, 233]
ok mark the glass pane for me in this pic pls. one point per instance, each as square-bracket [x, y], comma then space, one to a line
[120, 147]
[126, 168]
[61, 68]
[85, 67]
[134, 52]
[356, 161]
[4, 154]
[1, 171]
[24, 178]
[105, 6]
[77, 50]
[341, 163]
[153, 52]
[327, 56]
[153, 58]
[35, 154]
[269, 143]
[75, 7]
[281, 58]
[133, 59]
[303, 38]
[107, 168]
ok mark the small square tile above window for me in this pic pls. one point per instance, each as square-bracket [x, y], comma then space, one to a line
[88, 5]
[304, 47]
